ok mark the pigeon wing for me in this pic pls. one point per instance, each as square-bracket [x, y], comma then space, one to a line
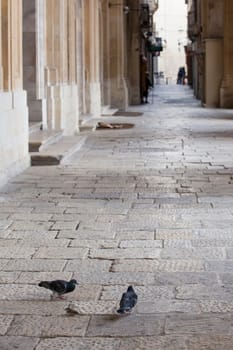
[58, 286]
[133, 298]
[123, 301]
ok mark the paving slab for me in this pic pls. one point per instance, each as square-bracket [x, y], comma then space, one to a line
[48, 326]
[19, 343]
[184, 342]
[207, 324]
[122, 326]
[149, 206]
[79, 344]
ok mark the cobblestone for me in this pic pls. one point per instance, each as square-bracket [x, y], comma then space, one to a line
[169, 306]
[159, 265]
[150, 207]
[33, 307]
[61, 253]
[145, 293]
[19, 343]
[125, 326]
[208, 324]
[79, 344]
[130, 253]
[93, 307]
[34, 265]
[5, 322]
[48, 326]
[204, 292]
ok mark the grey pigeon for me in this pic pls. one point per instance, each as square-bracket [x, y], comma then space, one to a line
[128, 301]
[59, 287]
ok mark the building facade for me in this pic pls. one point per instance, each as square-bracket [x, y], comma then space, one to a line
[62, 62]
[210, 51]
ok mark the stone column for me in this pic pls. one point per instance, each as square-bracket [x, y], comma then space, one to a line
[14, 155]
[1, 68]
[119, 90]
[92, 58]
[40, 59]
[12, 44]
[226, 91]
[133, 51]
[104, 53]
[80, 54]
[61, 75]
[33, 54]
[51, 74]
[213, 71]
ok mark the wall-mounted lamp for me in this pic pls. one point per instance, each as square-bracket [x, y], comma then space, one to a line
[126, 9]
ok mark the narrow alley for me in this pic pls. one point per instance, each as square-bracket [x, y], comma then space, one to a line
[149, 206]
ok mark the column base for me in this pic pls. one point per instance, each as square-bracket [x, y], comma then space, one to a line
[119, 94]
[95, 99]
[14, 156]
[63, 108]
[226, 97]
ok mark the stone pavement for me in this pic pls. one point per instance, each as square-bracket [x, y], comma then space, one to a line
[150, 206]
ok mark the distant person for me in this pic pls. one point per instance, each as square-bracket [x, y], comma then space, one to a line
[148, 84]
[181, 76]
[143, 79]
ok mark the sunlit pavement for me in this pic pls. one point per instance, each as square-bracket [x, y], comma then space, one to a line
[150, 206]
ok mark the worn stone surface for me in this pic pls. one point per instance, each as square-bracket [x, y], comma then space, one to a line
[194, 253]
[123, 326]
[155, 342]
[34, 265]
[88, 265]
[61, 253]
[112, 278]
[9, 277]
[92, 243]
[19, 343]
[93, 307]
[198, 291]
[48, 326]
[22, 292]
[159, 265]
[181, 278]
[79, 344]
[169, 306]
[207, 324]
[16, 252]
[141, 244]
[130, 253]
[137, 235]
[151, 206]
[217, 306]
[145, 293]
[184, 342]
[33, 307]
[5, 322]
[36, 277]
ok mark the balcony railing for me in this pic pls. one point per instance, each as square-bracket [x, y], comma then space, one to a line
[153, 4]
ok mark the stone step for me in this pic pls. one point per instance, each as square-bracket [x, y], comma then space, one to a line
[40, 139]
[108, 111]
[34, 126]
[87, 123]
[58, 152]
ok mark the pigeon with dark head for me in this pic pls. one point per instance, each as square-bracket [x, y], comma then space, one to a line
[59, 287]
[128, 301]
